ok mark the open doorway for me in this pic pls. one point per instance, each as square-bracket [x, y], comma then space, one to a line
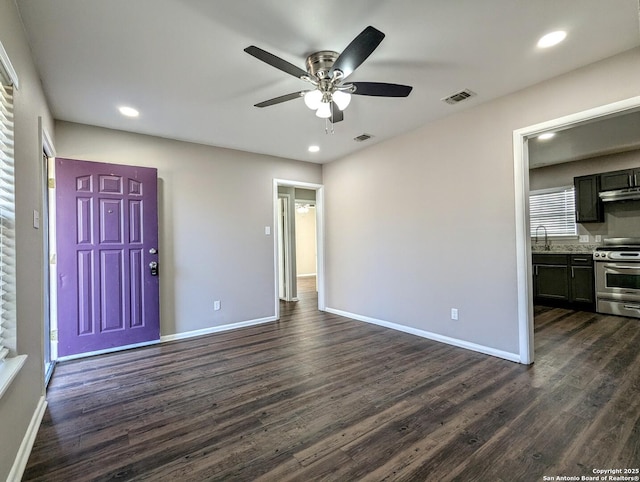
[521, 139]
[306, 246]
[298, 243]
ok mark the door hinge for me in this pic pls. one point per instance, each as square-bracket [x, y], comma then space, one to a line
[54, 335]
[52, 183]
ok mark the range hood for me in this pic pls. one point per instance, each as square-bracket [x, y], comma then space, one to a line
[629, 194]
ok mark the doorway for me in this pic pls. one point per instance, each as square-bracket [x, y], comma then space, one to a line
[523, 240]
[287, 267]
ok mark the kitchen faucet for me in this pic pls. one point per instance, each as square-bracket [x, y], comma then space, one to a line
[547, 247]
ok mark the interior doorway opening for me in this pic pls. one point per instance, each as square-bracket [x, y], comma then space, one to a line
[521, 138]
[298, 244]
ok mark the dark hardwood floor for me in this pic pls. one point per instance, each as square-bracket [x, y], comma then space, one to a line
[320, 397]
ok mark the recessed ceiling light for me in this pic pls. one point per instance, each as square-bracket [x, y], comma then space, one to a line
[128, 111]
[314, 148]
[546, 136]
[551, 39]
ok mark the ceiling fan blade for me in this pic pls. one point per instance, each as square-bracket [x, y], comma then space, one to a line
[380, 89]
[358, 50]
[336, 114]
[281, 99]
[274, 61]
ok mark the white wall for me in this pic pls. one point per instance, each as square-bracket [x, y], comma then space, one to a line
[439, 228]
[306, 242]
[214, 205]
[18, 404]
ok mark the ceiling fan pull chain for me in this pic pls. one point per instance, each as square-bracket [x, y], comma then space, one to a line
[328, 130]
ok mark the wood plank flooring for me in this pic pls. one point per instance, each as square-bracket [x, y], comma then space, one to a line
[320, 397]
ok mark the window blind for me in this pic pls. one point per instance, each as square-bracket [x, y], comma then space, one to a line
[555, 210]
[7, 223]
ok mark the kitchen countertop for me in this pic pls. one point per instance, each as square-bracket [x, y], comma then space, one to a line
[582, 248]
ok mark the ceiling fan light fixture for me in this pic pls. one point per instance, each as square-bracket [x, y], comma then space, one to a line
[313, 99]
[324, 111]
[341, 99]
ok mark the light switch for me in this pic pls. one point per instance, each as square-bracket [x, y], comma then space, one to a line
[267, 230]
[36, 219]
[584, 238]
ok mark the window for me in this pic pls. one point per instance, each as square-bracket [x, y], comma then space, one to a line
[555, 210]
[10, 364]
[7, 221]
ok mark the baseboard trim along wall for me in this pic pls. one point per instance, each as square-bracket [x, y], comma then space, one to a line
[514, 357]
[20, 462]
[216, 329]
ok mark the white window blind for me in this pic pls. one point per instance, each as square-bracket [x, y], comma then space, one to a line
[7, 225]
[555, 210]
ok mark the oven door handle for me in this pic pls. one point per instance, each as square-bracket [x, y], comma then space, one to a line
[616, 266]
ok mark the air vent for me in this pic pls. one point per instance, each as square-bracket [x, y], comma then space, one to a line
[362, 137]
[459, 96]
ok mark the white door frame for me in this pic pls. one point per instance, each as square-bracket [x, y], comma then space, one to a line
[319, 189]
[49, 353]
[523, 238]
[284, 248]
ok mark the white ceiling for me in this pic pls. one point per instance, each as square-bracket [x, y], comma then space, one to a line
[181, 62]
[607, 135]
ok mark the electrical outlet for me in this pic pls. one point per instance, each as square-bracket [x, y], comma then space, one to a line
[454, 313]
[597, 238]
[216, 305]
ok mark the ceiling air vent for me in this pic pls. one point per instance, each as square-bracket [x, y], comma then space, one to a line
[362, 137]
[459, 96]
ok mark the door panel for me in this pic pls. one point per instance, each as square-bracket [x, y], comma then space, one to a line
[106, 228]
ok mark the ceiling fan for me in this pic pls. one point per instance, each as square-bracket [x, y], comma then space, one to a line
[327, 71]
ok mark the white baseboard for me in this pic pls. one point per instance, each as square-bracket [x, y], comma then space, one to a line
[216, 329]
[24, 451]
[514, 357]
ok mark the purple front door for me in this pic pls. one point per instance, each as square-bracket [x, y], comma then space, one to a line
[107, 238]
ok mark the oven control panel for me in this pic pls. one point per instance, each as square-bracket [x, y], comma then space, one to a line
[616, 255]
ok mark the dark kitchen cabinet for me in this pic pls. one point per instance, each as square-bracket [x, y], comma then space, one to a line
[550, 274]
[589, 208]
[564, 280]
[610, 181]
[582, 279]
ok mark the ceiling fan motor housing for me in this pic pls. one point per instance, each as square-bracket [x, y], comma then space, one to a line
[321, 62]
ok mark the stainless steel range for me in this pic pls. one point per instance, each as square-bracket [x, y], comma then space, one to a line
[617, 273]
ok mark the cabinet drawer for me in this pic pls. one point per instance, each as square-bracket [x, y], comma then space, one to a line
[559, 259]
[581, 259]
